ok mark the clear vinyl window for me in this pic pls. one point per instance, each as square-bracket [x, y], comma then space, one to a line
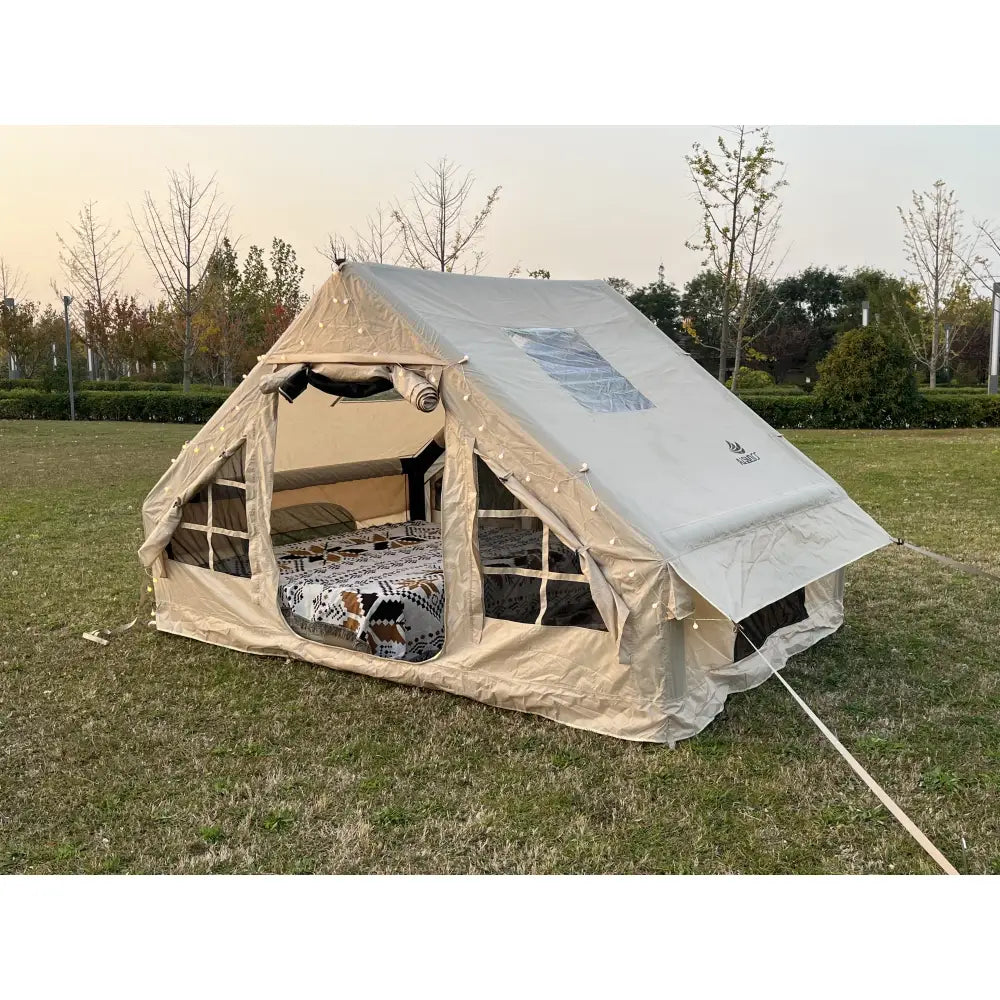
[213, 531]
[584, 373]
[529, 574]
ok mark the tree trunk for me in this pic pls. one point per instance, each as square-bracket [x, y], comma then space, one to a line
[723, 337]
[187, 353]
[932, 380]
[737, 358]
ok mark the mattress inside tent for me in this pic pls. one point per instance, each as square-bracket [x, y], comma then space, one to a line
[381, 589]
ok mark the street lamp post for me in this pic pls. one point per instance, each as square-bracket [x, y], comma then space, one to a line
[994, 340]
[67, 299]
[864, 313]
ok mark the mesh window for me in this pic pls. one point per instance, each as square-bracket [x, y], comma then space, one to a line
[231, 555]
[188, 546]
[229, 508]
[196, 509]
[562, 559]
[517, 553]
[493, 495]
[512, 598]
[585, 374]
[570, 603]
[213, 532]
[232, 468]
[789, 610]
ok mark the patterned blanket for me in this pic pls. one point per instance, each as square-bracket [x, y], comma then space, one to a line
[381, 589]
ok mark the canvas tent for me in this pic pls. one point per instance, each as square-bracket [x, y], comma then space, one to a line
[515, 490]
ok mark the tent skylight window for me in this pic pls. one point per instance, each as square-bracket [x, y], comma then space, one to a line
[584, 373]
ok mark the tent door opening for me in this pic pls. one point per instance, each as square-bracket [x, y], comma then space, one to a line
[356, 522]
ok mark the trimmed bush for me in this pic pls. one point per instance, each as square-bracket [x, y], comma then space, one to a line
[771, 390]
[964, 390]
[786, 411]
[56, 381]
[157, 407]
[959, 410]
[867, 381]
[932, 411]
[124, 385]
[10, 384]
[751, 380]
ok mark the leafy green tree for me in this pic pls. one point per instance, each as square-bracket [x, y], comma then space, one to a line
[702, 308]
[222, 320]
[621, 285]
[660, 302]
[867, 380]
[286, 295]
[966, 320]
[806, 306]
[882, 290]
[20, 341]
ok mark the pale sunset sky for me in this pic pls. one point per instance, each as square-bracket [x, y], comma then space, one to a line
[581, 202]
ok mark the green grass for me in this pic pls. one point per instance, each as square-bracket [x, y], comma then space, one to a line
[159, 754]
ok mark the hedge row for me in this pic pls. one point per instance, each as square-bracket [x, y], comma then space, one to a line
[951, 410]
[157, 407]
[121, 385]
[771, 390]
[947, 410]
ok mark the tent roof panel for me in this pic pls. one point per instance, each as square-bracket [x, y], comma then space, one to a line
[696, 472]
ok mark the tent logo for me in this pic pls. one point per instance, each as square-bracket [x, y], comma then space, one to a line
[742, 456]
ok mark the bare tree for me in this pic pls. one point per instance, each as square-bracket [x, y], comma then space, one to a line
[437, 231]
[381, 241]
[940, 256]
[179, 241]
[93, 259]
[12, 281]
[735, 192]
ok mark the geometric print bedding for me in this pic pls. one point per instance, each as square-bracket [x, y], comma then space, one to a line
[381, 589]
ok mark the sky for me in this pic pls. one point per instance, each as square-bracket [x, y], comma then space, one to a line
[580, 202]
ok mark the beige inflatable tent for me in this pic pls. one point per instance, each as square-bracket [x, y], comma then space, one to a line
[515, 490]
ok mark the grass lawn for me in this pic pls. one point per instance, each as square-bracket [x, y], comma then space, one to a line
[159, 754]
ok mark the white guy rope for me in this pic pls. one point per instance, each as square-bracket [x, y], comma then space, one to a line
[880, 793]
